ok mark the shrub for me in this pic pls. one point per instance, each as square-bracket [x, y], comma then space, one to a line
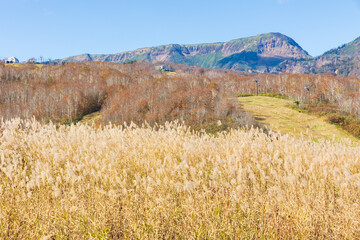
[337, 119]
[353, 128]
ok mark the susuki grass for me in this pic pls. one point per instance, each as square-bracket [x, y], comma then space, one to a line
[137, 182]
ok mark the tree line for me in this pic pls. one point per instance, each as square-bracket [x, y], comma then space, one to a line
[138, 92]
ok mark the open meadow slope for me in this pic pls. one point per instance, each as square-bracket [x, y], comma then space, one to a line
[82, 182]
[276, 114]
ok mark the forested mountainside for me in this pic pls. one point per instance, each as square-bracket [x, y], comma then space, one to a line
[259, 53]
[342, 61]
[271, 52]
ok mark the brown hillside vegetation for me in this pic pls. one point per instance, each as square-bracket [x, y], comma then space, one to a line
[137, 92]
[67, 92]
[81, 182]
[124, 93]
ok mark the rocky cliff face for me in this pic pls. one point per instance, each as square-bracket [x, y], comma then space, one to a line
[262, 52]
[271, 52]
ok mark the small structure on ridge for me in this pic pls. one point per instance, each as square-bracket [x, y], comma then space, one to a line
[12, 60]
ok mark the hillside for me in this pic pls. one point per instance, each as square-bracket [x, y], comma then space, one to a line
[342, 61]
[270, 52]
[276, 114]
[259, 53]
[138, 92]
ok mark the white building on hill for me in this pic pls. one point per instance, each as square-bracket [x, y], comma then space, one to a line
[162, 67]
[12, 60]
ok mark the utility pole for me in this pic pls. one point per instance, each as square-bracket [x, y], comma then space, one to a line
[257, 86]
[308, 89]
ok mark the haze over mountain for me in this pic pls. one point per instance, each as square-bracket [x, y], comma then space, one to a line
[270, 52]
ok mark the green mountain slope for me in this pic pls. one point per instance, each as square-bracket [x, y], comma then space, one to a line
[259, 53]
[342, 61]
[270, 52]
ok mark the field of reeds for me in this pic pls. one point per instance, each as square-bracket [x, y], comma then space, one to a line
[112, 182]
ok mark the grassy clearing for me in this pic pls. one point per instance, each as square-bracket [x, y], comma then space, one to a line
[276, 115]
[21, 64]
[90, 118]
[13, 64]
[82, 182]
[169, 73]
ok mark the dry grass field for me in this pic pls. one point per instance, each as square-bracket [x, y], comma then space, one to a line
[83, 182]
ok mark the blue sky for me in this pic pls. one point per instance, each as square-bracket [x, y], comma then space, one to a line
[61, 28]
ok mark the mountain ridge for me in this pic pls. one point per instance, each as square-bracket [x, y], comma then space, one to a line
[270, 52]
[342, 61]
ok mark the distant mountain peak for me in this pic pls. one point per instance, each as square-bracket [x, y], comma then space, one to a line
[269, 52]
